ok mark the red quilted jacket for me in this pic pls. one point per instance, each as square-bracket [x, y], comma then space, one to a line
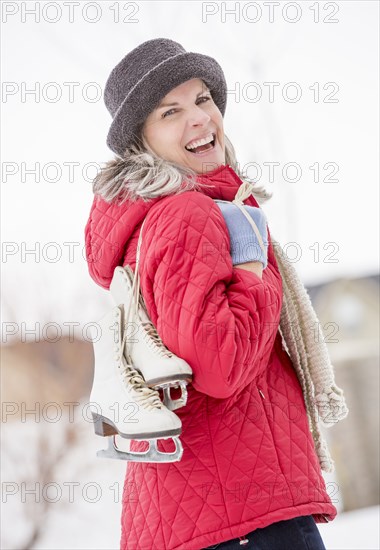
[249, 457]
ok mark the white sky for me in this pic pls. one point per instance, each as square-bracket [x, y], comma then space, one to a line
[305, 132]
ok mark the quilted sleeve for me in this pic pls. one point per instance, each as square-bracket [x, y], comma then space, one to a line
[218, 318]
[107, 232]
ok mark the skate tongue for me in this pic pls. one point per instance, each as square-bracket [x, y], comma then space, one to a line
[143, 316]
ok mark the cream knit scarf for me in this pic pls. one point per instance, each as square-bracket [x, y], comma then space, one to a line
[303, 338]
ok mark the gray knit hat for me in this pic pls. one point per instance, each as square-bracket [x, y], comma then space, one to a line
[144, 76]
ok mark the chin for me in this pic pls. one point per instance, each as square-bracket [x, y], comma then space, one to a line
[207, 167]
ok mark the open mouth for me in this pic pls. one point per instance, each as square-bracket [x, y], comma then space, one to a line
[202, 148]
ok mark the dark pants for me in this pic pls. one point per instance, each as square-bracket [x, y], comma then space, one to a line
[293, 534]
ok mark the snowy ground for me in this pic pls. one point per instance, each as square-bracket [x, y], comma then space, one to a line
[357, 530]
[83, 493]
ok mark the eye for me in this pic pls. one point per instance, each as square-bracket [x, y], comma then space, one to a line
[205, 97]
[166, 112]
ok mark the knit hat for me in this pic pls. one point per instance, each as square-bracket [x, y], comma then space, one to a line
[144, 76]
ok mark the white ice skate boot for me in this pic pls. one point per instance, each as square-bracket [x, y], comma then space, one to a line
[144, 348]
[121, 402]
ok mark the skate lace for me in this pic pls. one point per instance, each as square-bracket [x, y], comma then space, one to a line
[155, 339]
[148, 398]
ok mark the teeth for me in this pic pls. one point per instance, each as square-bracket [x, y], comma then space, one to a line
[199, 142]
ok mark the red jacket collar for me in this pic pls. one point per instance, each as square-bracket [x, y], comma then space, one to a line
[225, 184]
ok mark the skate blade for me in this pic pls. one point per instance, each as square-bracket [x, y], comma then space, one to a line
[174, 404]
[172, 380]
[105, 427]
[151, 455]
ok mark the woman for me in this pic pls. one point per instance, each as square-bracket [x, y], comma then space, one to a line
[250, 474]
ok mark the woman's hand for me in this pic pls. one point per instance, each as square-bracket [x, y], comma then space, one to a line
[245, 246]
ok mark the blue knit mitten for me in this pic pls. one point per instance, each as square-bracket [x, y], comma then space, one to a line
[245, 246]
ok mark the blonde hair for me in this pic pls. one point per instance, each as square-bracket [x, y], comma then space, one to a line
[141, 174]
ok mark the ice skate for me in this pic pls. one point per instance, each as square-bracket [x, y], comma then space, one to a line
[121, 402]
[144, 348]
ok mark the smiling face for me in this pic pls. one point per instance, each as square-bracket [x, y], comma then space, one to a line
[187, 116]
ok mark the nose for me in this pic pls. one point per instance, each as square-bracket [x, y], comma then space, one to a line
[198, 117]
